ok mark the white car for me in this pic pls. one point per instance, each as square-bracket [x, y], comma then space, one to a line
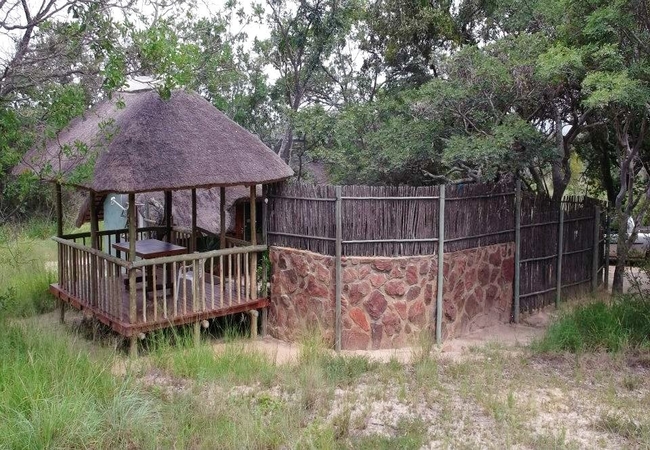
[639, 250]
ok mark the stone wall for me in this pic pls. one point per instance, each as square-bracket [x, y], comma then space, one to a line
[388, 302]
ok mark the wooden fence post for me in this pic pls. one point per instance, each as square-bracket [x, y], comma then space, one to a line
[560, 247]
[338, 251]
[606, 270]
[595, 262]
[441, 259]
[517, 280]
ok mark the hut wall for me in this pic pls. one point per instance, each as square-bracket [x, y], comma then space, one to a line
[388, 302]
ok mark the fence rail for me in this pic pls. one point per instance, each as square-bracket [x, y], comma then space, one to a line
[389, 221]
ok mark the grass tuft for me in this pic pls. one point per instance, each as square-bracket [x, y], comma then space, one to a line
[622, 324]
[57, 397]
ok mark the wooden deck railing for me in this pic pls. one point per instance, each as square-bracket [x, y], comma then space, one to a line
[179, 236]
[92, 276]
[161, 290]
[219, 279]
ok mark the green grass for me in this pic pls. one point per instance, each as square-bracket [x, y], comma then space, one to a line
[24, 279]
[621, 324]
[56, 396]
[59, 390]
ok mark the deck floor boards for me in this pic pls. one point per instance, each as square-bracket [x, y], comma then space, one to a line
[186, 308]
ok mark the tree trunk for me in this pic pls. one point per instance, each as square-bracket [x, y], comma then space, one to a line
[619, 273]
[287, 143]
[604, 151]
[622, 248]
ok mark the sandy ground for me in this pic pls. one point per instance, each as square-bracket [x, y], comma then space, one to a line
[505, 335]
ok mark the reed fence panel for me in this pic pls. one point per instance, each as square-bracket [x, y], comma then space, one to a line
[403, 221]
[478, 215]
[540, 220]
[386, 221]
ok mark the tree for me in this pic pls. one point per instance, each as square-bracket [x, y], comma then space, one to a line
[408, 39]
[303, 36]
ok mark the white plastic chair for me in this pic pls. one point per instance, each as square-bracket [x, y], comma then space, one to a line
[186, 273]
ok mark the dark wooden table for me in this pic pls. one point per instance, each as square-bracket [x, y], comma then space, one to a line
[150, 249]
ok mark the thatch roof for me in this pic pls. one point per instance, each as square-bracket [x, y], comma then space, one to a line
[208, 203]
[151, 144]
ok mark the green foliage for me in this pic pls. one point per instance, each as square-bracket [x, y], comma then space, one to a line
[617, 89]
[623, 324]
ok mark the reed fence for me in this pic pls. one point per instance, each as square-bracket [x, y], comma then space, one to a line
[560, 246]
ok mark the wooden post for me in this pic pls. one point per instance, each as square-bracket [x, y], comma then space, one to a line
[253, 255]
[607, 237]
[193, 239]
[254, 315]
[560, 247]
[517, 280]
[168, 215]
[133, 345]
[338, 278]
[94, 243]
[595, 262]
[59, 233]
[265, 275]
[197, 333]
[441, 263]
[222, 218]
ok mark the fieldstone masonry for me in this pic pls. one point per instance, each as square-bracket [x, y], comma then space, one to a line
[388, 302]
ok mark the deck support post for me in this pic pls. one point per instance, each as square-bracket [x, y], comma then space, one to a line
[133, 346]
[253, 255]
[265, 321]
[94, 243]
[168, 216]
[254, 313]
[222, 218]
[132, 278]
[265, 274]
[193, 240]
[197, 333]
[59, 233]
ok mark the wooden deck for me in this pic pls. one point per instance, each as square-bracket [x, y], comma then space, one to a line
[165, 312]
[113, 290]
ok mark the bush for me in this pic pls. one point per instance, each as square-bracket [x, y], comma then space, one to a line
[619, 325]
